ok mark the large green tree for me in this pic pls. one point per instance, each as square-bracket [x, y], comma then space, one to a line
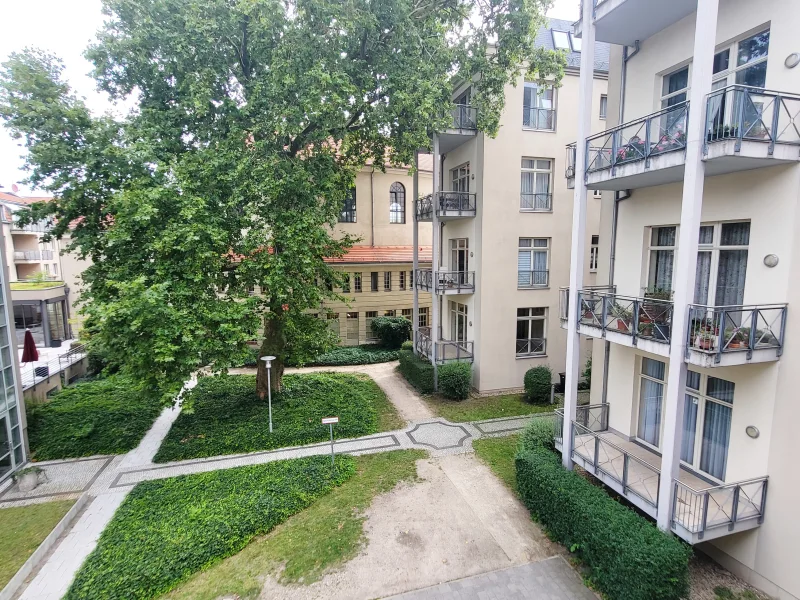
[251, 120]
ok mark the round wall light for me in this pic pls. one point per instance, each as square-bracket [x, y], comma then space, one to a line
[752, 431]
[792, 60]
[771, 260]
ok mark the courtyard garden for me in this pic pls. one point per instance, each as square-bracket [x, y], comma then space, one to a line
[224, 415]
[478, 408]
[103, 416]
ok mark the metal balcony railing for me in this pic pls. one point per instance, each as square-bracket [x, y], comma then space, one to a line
[718, 506]
[446, 350]
[533, 279]
[33, 373]
[539, 118]
[542, 202]
[464, 117]
[640, 318]
[446, 203]
[455, 281]
[40, 227]
[742, 112]
[722, 329]
[27, 255]
[571, 153]
[563, 297]
[531, 347]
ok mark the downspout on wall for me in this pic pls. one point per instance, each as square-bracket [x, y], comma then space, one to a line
[372, 206]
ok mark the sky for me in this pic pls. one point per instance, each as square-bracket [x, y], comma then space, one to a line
[65, 28]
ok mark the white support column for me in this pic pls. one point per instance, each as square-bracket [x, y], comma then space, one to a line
[686, 262]
[415, 238]
[578, 246]
[435, 261]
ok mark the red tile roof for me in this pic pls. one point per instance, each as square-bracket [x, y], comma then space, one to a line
[382, 254]
[9, 197]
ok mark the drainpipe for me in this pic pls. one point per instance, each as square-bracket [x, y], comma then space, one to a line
[372, 206]
[615, 209]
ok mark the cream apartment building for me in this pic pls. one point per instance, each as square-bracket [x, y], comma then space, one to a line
[379, 274]
[501, 221]
[693, 402]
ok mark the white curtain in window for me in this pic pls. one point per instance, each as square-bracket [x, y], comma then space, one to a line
[730, 277]
[524, 268]
[650, 411]
[716, 437]
[539, 274]
[542, 189]
[662, 269]
[689, 428]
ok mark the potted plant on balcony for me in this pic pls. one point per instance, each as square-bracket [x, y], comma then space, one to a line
[633, 150]
[765, 338]
[645, 328]
[670, 141]
[737, 339]
[624, 317]
[721, 132]
[705, 340]
[658, 311]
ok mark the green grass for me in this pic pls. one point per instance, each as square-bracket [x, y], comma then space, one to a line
[166, 530]
[489, 407]
[327, 534]
[22, 529]
[34, 285]
[102, 416]
[499, 454]
[223, 415]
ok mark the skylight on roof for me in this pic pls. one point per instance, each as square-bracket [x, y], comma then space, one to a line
[561, 40]
[576, 43]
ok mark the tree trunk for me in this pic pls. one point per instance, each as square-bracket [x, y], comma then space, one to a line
[274, 344]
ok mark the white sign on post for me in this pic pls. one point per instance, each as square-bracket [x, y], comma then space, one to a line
[330, 421]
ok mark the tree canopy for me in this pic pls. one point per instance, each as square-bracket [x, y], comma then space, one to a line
[251, 120]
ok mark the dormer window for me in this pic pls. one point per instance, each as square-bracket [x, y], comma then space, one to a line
[561, 40]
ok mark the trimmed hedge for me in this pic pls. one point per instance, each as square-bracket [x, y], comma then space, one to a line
[537, 384]
[168, 529]
[417, 371]
[101, 416]
[366, 354]
[455, 380]
[629, 558]
[538, 434]
[392, 331]
[224, 415]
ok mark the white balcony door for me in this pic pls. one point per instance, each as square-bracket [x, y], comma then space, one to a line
[707, 419]
[651, 400]
[459, 255]
[458, 321]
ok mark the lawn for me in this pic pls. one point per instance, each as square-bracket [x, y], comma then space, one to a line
[102, 416]
[223, 415]
[327, 534]
[499, 454]
[488, 407]
[166, 530]
[22, 529]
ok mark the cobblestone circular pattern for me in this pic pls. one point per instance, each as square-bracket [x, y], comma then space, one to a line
[438, 435]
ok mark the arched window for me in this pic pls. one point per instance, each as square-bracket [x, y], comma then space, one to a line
[397, 203]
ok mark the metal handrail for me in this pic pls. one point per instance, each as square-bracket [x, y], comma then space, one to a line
[533, 346]
[640, 318]
[544, 120]
[736, 328]
[536, 202]
[464, 116]
[455, 280]
[27, 255]
[563, 297]
[424, 344]
[536, 278]
[462, 203]
[33, 373]
[733, 502]
[740, 112]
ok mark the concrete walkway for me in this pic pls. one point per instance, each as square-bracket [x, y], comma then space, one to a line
[107, 480]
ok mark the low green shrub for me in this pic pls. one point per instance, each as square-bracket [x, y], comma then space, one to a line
[224, 415]
[391, 331]
[103, 416]
[252, 358]
[165, 530]
[537, 384]
[628, 557]
[455, 380]
[538, 434]
[367, 354]
[418, 371]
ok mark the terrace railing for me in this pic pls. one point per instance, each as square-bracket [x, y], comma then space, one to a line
[464, 116]
[722, 329]
[640, 318]
[455, 281]
[740, 112]
[539, 118]
[659, 133]
[446, 350]
[424, 279]
[461, 203]
[563, 297]
[27, 255]
[33, 373]
[723, 505]
[533, 279]
[542, 202]
[531, 346]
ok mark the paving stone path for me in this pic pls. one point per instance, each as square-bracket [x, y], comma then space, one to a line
[108, 479]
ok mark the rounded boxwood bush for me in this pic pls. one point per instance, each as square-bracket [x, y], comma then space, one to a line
[391, 331]
[455, 380]
[537, 384]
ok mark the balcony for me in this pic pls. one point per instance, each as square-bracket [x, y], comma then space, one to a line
[531, 347]
[539, 119]
[625, 21]
[448, 206]
[701, 512]
[722, 336]
[32, 255]
[40, 227]
[446, 350]
[746, 128]
[464, 127]
[717, 336]
[447, 282]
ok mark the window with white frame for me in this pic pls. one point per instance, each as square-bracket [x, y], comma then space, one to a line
[531, 331]
[458, 321]
[535, 186]
[348, 214]
[423, 316]
[561, 40]
[387, 281]
[346, 283]
[538, 107]
[373, 281]
[675, 87]
[707, 415]
[460, 178]
[407, 313]
[389, 313]
[356, 282]
[603, 106]
[662, 257]
[369, 316]
[575, 41]
[594, 253]
[652, 381]
[533, 260]
[397, 203]
[597, 194]
[402, 275]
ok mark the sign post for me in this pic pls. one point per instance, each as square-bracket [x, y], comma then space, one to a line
[268, 362]
[330, 421]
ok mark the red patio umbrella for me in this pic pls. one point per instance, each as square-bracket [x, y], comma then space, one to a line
[29, 351]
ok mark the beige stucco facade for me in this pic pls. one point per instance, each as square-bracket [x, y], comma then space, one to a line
[766, 196]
